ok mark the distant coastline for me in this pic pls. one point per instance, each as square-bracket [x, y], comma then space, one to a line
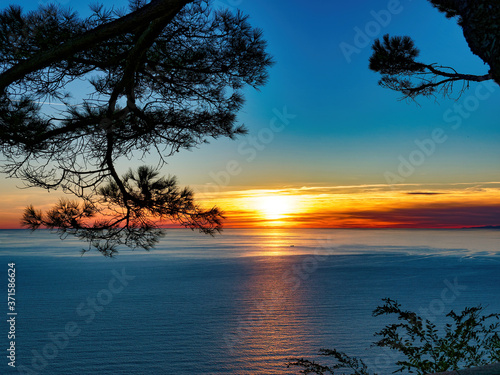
[484, 227]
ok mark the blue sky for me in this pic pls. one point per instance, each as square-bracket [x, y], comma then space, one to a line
[348, 130]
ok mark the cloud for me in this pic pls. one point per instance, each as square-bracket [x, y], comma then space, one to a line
[323, 207]
[425, 216]
[433, 216]
[423, 193]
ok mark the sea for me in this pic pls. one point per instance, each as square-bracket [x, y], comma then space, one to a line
[247, 301]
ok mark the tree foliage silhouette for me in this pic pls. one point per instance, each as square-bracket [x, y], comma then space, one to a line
[164, 77]
[395, 58]
[470, 339]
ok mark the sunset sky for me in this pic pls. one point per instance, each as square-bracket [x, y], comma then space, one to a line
[327, 147]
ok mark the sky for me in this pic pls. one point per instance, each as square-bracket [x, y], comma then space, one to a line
[327, 146]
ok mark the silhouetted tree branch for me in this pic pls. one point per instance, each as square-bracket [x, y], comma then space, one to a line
[150, 199]
[143, 15]
[470, 339]
[395, 57]
[164, 78]
[343, 362]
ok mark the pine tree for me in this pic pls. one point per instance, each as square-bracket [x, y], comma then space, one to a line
[395, 58]
[165, 76]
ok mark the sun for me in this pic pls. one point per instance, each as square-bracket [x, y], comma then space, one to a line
[275, 207]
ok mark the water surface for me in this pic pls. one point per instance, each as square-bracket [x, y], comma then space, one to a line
[240, 303]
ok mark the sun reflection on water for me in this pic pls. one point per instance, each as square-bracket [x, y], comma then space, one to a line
[272, 317]
[278, 242]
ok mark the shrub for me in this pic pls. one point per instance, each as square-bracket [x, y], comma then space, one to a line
[470, 339]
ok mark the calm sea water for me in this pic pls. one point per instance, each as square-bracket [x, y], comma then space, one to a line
[239, 303]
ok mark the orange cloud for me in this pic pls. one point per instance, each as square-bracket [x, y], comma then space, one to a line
[368, 206]
[361, 206]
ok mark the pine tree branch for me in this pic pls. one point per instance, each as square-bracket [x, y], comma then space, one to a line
[458, 76]
[145, 15]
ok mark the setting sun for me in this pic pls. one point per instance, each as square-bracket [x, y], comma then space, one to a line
[276, 207]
